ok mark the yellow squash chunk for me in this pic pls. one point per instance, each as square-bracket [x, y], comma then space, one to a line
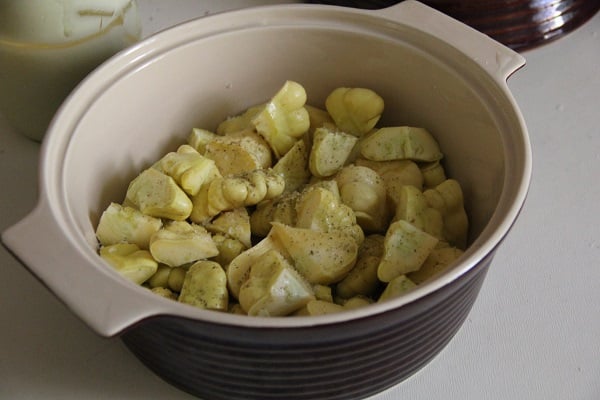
[400, 143]
[164, 292]
[433, 174]
[239, 152]
[363, 190]
[320, 209]
[281, 209]
[176, 278]
[406, 248]
[233, 223]
[293, 166]
[372, 246]
[158, 195]
[436, 263]
[321, 257]
[395, 174]
[231, 192]
[396, 288]
[229, 249]
[447, 198]
[202, 212]
[199, 138]
[120, 224]
[329, 151]
[273, 287]
[361, 280]
[357, 302]
[167, 277]
[235, 308]
[318, 118]
[130, 261]
[205, 286]
[327, 184]
[188, 168]
[319, 307]
[283, 120]
[355, 110]
[179, 243]
[323, 292]
[238, 270]
[239, 122]
[413, 207]
[160, 277]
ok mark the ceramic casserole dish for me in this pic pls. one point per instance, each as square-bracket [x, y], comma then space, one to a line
[431, 70]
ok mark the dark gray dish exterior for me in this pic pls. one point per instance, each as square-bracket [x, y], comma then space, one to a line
[350, 360]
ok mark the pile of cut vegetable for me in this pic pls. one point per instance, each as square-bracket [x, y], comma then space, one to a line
[289, 209]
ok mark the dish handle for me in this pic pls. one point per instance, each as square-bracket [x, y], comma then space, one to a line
[104, 302]
[497, 59]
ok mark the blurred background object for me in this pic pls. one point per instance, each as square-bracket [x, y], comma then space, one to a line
[519, 24]
[48, 47]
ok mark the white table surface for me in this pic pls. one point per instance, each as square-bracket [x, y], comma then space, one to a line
[534, 332]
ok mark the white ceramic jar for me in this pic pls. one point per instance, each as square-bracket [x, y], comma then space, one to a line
[48, 47]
